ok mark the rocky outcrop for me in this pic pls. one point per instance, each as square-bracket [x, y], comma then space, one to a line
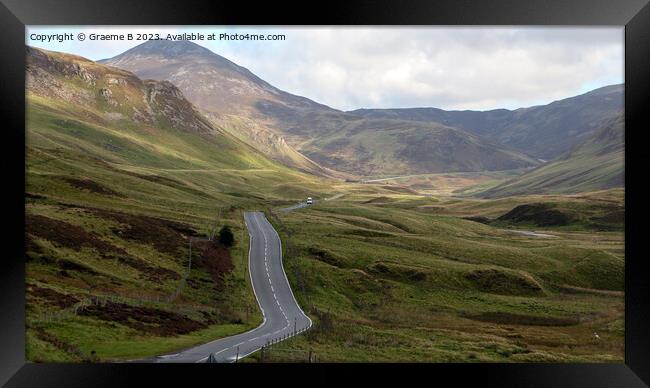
[117, 93]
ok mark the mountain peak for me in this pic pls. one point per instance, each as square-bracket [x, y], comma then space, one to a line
[152, 52]
[168, 49]
[215, 84]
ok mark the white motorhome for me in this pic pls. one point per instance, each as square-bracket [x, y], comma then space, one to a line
[309, 201]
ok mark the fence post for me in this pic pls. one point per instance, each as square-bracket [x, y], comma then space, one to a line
[243, 252]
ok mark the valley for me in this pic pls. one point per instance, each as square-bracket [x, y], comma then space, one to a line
[283, 125]
[435, 236]
[400, 277]
[111, 207]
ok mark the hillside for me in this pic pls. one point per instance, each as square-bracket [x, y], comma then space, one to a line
[406, 278]
[121, 174]
[224, 92]
[127, 177]
[391, 147]
[125, 121]
[279, 123]
[120, 95]
[545, 131]
[596, 164]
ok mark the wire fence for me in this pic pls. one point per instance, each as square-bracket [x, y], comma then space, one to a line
[279, 350]
[276, 349]
[211, 231]
[174, 295]
[141, 299]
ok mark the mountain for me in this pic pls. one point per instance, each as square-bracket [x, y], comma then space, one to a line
[545, 131]
[286, 127]
[224, 92]
[120, 94]
[214, 83]
[391, 147]
[111, 116]
[597, 163]
[120, 174]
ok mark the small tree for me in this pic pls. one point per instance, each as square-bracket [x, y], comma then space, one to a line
[226, 237]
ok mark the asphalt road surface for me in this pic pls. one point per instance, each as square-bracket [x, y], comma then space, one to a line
[297, 206]
[282, 315]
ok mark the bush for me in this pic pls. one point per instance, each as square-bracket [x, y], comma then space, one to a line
[226, 237]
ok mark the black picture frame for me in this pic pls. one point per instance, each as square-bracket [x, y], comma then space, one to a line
[633, 14]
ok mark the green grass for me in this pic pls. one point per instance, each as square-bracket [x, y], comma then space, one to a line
[200, 181]
[598, 163]
[386, 273]
[118, 343]
[400, 284]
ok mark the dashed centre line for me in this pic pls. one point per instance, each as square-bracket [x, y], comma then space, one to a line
[259, 337]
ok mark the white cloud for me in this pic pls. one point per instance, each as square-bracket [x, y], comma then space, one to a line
[450, 67]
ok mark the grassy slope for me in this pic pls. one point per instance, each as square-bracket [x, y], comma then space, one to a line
[387, 274]
[596, 164]
[208, 80]
[391, 278]
[395, 147]
[448, 183]
[264, 116]
[545, 131]
[77, 164]
[409, 300]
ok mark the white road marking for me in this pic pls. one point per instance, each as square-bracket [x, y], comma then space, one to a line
[254, 218]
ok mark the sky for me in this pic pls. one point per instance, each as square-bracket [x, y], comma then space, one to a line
[348, 68]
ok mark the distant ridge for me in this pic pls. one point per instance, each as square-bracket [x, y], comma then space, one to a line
[543, 131]
[279, 123]
[596, 164]
[224, 92]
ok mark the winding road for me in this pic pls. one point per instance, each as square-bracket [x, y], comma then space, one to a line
[283, 317]
[297, 206]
